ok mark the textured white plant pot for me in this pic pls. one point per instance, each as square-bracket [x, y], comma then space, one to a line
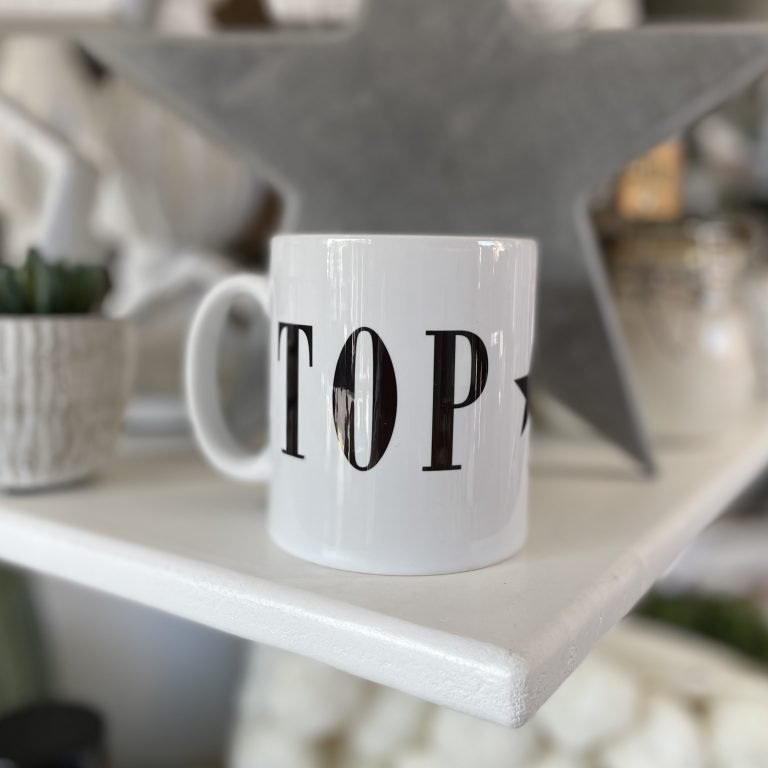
[64, 385]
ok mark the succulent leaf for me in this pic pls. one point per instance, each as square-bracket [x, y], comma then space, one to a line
[42, 288]
[12, 299]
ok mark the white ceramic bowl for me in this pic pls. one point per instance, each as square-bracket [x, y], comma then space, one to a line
[64, 385]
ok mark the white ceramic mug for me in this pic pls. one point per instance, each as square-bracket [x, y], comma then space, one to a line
[398, 387]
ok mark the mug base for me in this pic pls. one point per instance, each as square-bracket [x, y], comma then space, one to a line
[342, 562]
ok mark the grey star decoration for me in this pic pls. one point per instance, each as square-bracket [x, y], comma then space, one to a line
[450, 116]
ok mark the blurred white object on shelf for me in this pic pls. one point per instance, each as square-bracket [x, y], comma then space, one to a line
[666, 736]
[463, 740]
[724, 146]
[545, 14]
[618, 710]
[25, 12]
[42, 75]
[756, 303]
[416, 758]
[313, 11]
[306, 698]
[739, 736]
[60, 222]
[183, 17]
[677, 288]
[183, 192]
[578, 14]
[267, 746]
[391, 722]
[557, 760]
[599, 701]
[160, 295]
[186, 198]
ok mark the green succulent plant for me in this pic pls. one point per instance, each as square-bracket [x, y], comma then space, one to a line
[43, 288]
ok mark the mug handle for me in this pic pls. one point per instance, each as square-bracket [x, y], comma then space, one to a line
[212, 433]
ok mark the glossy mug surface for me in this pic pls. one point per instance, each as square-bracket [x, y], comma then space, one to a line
[398, 398]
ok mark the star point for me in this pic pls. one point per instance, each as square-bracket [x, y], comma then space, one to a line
[522, 384]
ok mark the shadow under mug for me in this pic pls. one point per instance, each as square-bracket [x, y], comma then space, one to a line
[398, 398]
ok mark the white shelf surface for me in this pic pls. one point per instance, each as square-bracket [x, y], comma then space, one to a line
[161, 529]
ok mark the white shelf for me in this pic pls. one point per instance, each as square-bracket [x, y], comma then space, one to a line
[162, 530]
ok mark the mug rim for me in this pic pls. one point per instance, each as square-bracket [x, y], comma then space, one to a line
[363, 237]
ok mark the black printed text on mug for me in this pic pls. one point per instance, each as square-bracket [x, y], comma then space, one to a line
[384, 396]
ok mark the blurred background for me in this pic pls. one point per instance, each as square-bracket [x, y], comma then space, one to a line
[684, 236]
